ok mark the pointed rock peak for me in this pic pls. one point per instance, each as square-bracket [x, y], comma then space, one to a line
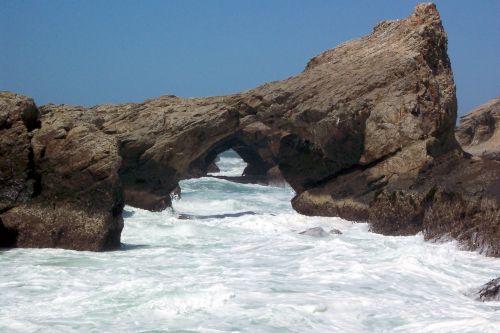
[425, 13]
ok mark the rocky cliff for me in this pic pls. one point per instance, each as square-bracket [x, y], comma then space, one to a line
[365, 132]
[479, 130]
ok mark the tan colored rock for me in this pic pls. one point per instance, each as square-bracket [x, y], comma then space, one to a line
[365, 132]
[77, 200]
[479, 130]
[18, 118]
[18, 180]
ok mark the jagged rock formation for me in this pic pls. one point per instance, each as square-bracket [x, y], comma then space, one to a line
[365, 132]
[411, 176]
[479, 130]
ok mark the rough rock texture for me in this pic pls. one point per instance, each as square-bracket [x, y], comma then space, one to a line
[410, 174]
[18, 118]
[72, 196]
[490, 291]
[18, 180]
[365, 132]
[398, 115]
[479, 131]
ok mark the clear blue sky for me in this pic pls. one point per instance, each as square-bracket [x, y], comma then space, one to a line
[90, 52]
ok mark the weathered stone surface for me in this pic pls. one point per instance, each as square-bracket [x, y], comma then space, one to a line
[385, 103]
[365, 132]
[165, 140]
[479, 131]
[18, 181]
[18, 118]
[76, 202]
[410, 175]
[456, 198]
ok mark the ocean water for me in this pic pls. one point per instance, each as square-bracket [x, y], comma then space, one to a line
[229, 258]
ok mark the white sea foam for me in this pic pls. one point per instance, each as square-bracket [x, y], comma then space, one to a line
[221, 271]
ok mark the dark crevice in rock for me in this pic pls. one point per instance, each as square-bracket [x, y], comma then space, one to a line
[146, 183]
[31, 118]
[8, 237]
[302, 163]
[33, 177]
[255, 164]
[359, 167]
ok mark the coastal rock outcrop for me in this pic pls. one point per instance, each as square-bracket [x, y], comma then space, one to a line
[72, 195]
[479, 130]
[365, 132]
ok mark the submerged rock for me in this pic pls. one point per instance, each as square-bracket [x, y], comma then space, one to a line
[320, 232]
[214, 216]
[315, 232]
[490, 291]
[335, 232]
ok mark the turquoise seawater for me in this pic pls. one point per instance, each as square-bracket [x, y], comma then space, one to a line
[229, 258]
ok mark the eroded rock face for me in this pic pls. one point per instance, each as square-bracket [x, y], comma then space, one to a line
[18, 118]
[365, 132]
[72, 197]
[385, 100]
[479, 131]
[18, 180]
[402, 170]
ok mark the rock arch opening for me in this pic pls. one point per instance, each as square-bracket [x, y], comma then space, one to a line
[258, 153]
[227, 164]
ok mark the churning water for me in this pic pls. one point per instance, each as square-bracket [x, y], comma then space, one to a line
[229, 258]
